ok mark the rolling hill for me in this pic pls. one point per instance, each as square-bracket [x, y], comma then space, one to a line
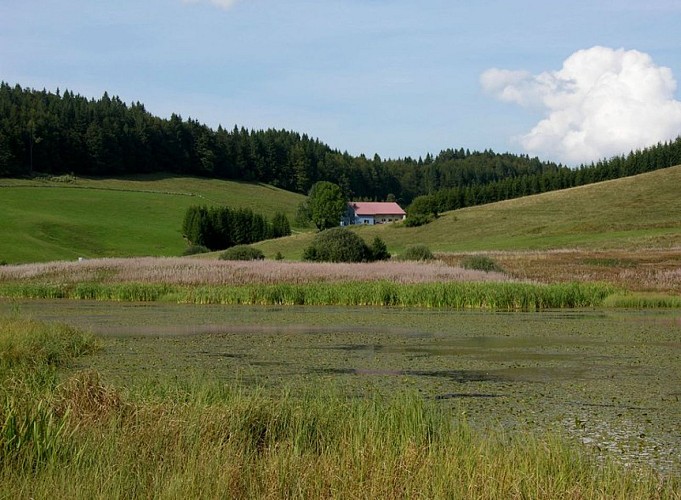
[643, 211]
[66, 218]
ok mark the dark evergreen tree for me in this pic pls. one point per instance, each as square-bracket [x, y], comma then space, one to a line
[280, 226]
[62, 132]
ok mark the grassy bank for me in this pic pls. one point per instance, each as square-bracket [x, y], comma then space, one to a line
[455, 295]
[76, 436]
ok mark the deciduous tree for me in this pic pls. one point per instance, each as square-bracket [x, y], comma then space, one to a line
[326, 205]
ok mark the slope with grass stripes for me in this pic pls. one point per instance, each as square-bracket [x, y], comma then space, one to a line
[642, 211]
[67, 218]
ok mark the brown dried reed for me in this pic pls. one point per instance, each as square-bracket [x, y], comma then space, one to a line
[642, 270]
[183, 271]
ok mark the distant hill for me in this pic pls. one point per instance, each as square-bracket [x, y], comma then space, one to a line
[67, 218]
[64, 133]
[634, 212]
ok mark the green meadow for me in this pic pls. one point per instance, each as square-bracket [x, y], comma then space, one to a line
[67, 218]
[637, 212]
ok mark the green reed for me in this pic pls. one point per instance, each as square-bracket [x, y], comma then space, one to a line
[454, 295]
[495, 296]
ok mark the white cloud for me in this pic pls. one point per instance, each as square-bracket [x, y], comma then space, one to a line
[223, 4]
[603, 102]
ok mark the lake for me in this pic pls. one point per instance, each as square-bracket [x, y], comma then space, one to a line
[610, 379]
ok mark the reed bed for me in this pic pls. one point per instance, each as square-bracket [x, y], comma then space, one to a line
[28, 343]
[79, 437]
[507, 296]
[179, 271]
[643, 301]
[496, 296]
[652, 270]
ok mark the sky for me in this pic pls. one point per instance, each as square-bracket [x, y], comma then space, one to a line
[571, 82]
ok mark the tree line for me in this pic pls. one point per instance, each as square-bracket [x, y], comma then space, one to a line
[218, 228]
[662, 155]
[62, 132]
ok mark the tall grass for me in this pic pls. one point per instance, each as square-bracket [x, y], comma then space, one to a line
[82, 438]
[177, 271]
[643, 301]
[498, 296]
[321, 445]
[650, 270]
[455, 295]
[27, 342]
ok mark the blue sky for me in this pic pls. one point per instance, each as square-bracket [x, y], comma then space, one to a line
[566, 81]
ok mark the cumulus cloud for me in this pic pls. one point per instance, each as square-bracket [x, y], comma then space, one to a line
[602, 102]
[223, 4]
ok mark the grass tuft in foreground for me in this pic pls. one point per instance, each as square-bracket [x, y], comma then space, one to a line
[27, 342]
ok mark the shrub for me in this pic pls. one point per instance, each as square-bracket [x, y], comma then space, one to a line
[242, 252]
[417, 220]
[379, 250]
[481, 263]
[195, 249]
[424, 205]
[417, 252]
[337, 245]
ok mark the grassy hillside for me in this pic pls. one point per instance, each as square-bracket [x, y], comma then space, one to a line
[67, 218]
[53, 219]
[636, 212]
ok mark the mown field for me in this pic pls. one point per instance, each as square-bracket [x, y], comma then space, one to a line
[66, 218]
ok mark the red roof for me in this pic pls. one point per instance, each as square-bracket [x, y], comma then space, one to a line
[376, 208]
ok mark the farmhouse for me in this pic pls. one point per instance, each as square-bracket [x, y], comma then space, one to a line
[360, 212]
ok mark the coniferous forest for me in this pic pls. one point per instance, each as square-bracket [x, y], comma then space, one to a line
[62, 132]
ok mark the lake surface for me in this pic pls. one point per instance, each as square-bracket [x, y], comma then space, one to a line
[609, 379]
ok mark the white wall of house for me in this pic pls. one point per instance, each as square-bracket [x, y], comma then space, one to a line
[350, 218]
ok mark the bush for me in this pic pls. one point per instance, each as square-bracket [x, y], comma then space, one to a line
[481, 263]
[424, 205]
[417, 252]
[418, 220]
[195, 249]
[338, 245]
[379, 250]
[242, 252]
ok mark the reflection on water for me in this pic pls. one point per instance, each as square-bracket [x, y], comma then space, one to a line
[610, 379]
